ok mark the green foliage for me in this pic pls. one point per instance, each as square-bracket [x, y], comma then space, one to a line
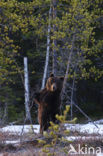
[57, 134]
[13, 114]
[79, 21]
[19, 26]
[23, 32]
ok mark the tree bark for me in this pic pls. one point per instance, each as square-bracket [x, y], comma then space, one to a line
[72, 95]
[47, 52]
[68, 67]
[26, 85]
[5, 113]
[54, 41]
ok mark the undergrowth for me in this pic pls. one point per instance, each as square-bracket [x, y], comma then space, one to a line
[56, 135]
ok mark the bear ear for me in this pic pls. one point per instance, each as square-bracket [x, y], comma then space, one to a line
[62, 78]
[51, 75]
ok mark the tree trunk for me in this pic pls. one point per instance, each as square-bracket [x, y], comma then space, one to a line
[67, 70]
[26, 86]
[72, 95]
[47, 52]
[54, 41]
[5, 113]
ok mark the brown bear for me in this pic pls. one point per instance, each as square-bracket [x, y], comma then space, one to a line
[49, 101]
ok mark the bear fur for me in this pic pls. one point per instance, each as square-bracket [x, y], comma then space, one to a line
[48, 101]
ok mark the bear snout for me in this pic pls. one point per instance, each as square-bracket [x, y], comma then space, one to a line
[53, 87]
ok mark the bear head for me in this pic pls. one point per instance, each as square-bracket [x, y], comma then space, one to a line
[54, 83]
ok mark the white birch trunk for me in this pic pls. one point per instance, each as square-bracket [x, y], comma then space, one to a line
[71, 103]
[5, 113]
[47, 53]
[54, 2]
[67, 70]
[68, 66]
[26, 86]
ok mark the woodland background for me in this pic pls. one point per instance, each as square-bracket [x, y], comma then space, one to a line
[76, 52]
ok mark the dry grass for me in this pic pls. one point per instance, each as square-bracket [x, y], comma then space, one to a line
[32, 153]
[29, 145]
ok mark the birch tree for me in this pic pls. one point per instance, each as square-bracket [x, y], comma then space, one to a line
[54, 68]
[75, 31]
[47, 52]
[27, 93]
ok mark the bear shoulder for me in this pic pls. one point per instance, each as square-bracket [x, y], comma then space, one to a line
[40, 95]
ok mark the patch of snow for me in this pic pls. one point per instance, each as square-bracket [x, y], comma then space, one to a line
[99, 121]
[84, 138]
[12, 142]
[18, 129]
[86, 128]
[101, 154]
[81, 128]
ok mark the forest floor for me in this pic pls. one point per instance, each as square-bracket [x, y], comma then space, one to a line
[21, 140]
